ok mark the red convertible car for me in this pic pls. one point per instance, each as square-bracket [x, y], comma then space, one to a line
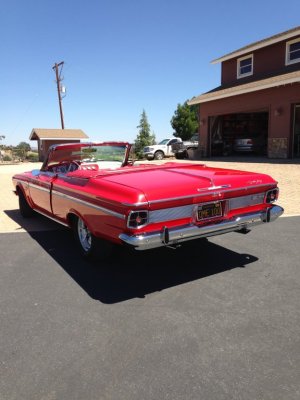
[95, 189]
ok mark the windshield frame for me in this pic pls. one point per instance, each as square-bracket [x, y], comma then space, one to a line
[164, 141]
[67, 153]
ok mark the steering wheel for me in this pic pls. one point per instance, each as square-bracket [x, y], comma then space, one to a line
[74, 165]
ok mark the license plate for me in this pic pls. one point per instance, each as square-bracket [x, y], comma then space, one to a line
[209, 210]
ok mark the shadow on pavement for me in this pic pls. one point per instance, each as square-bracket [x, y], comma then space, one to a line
[38, 223]
[130, 274]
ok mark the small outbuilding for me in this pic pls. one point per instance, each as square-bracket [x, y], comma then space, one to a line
[48, 137]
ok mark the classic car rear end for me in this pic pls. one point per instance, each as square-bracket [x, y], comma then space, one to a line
[105, 199]
[189, 201]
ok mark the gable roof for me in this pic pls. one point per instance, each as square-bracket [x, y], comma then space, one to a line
[57, 134]
[284, 79]
[258, 45]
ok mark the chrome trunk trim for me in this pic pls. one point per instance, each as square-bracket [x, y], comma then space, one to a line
[173, 213]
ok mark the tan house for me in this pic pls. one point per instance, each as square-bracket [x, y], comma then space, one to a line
[259, 97]
[48, 137]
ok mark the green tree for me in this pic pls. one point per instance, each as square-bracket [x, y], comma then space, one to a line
[21, 150]
[144, 137]
[24, 145]
[185, 121]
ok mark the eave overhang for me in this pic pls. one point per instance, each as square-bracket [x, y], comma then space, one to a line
[280, 80]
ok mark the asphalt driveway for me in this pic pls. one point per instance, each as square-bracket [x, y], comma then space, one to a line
[217, 319]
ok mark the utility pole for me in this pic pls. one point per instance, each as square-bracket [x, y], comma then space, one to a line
[59, 89]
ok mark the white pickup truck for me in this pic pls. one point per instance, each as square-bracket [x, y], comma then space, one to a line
[180, 150]
[161, 150]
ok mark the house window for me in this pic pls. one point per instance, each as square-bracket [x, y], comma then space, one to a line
[292, 52]
[245, 66]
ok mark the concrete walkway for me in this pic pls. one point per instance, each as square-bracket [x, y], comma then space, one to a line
[287, 173]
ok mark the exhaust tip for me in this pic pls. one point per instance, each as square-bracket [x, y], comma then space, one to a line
[274, 213]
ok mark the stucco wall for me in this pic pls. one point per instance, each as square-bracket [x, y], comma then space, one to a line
[265, 61]
[277, 101]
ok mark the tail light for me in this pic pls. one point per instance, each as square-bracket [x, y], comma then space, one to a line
[271, 195]
[137, 219]
[249, 141]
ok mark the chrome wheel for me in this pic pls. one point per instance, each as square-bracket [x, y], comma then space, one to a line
[90, 246]
[84, 236]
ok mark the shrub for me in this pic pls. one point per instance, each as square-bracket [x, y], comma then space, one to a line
[32, 157]
[6, 157]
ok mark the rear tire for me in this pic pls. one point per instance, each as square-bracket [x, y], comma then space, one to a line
[179, 156]
[25, 210]
[90, 246]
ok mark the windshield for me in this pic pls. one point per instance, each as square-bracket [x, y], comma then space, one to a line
[165, 141]
[102, 153]
[87, 153]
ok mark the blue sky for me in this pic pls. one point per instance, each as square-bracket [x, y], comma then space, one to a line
[120, 57]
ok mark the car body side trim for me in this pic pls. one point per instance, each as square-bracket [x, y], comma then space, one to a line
[50, 217]
[55, 192]
[38, 187]
[86, 203]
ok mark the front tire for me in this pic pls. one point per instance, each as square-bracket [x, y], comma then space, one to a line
[25, 210]
[159, 155]
[90, 246]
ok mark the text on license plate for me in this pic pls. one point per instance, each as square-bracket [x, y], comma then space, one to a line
[209, 210]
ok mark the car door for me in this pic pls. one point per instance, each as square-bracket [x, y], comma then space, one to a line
[40, 190]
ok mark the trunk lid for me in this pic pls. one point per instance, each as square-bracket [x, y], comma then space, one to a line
[179, 181]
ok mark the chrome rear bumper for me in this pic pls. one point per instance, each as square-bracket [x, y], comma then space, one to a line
[175, 236]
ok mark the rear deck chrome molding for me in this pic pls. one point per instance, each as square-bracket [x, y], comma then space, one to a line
[170, 214]
[173, 213]
[246, 201]
[188, 232]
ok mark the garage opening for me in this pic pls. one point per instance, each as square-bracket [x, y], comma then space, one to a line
[242, 133]
[296, 131]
